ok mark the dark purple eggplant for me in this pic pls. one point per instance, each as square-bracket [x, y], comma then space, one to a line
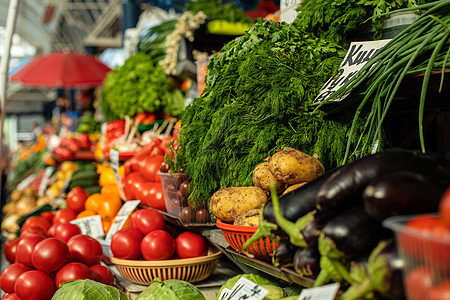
[402, 193]
[283, 256]
[382, 275]
[307, 261]
[312, 231]
[346, 185]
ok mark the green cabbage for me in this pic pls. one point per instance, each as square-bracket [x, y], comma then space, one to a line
[171, 290]
[259, 280]
[87, 290]
[275, 292]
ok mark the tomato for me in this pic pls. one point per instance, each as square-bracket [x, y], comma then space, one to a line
[64, 231]
[34, 285]
[150, 167]
[444, 208]
[172, 230]
[9, 275]
[158, 245]
[50, 254]
[48, 215]
[30, 230]
[37, 221]
[149, 220]
[418, 283]
[11, 296]
[85, 249]
[73, 271]
[76, 198]
[190, 244]
[440, 292]
[437, 249]
[108, 207]
[102, 274]
[10, 250]
[125, 243]
[83, 140]
[132, 183]
[134, 216]
[151, 194]
[64, 215]
[62, 153]
[202, 215]
[409, 241]
[25, 248]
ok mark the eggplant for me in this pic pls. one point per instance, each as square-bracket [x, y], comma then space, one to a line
[312, 231]
[346, 185]
[382, 275]
[283, 256]
[402, 193]
[307, 261]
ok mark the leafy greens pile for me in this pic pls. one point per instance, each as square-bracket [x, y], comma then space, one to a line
[139, 85]
[215, 9]
[256, 100]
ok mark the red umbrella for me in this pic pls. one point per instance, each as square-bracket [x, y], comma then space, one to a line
[62, 70]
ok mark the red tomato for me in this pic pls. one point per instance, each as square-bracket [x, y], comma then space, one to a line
[12, 296]
[37, 221]
[440, 292]
[151, 194]
[64, 231]
[9, 275]
[76, 198]
[10, 250]
[437, 249]
[444, 208]
[52, 230]
[34, 285]
[149, 220]
[85, 249]
[137, 160]
[190, 244]
[25, 248]
[73, 271]
[64, 215]
[132, 183]
[134, 217]
[418, 283]
[125, 243]
[48, 215]
[409, 241]
[102, 274]
[30, 230]
[172, 230]
[150, 167]
[158, 245]
[50, 254]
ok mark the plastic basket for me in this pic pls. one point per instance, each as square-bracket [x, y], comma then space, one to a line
[422, 254]
[236, 236]
[188, 269]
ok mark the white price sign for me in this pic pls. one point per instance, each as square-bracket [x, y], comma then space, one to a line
[326, 292]
[45, 180]
[288, 10]
[91, 226]
[246, 289]
[26, 182]
[114, 158]
[121, 217]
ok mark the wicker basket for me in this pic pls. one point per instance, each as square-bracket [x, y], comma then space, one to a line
[236, 236]
[188, 269]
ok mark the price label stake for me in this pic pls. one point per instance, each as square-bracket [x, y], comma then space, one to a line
[326, 292]
[91, 226]
[121, 217]
[114, 158]
[246, 289]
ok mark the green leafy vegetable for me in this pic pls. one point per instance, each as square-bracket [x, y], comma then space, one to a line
[88, 290]
[215, 9]
[259, 280]
[171, 289]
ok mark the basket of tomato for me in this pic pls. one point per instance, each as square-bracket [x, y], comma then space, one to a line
[423, 241]
[151, 248]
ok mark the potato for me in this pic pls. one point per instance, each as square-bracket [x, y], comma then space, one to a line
[227, 203]
[293, 187]
[248, 218]
[15, 195]
[262, 178]
[292, 166]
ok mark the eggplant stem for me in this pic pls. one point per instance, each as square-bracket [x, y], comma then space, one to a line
[340, 269]
[356, 292]
[264, 230]
[322, 278]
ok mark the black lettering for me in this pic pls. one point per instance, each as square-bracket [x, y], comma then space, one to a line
[352, 52]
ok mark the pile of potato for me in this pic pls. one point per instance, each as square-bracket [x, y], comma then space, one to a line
[288, 168]
[63, 174]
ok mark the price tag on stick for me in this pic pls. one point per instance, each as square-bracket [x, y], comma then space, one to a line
[246, 289]
[121, 217]
[91, 226]
[114, 158]
[326, 292]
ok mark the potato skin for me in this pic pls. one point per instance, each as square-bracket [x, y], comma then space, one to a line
[227, 203]
[248, 218]
[262, 178]
[292, 166]
[293, 187]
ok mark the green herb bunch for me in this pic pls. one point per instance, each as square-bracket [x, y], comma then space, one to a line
[256, 100]
[215, 9]
[139, 85]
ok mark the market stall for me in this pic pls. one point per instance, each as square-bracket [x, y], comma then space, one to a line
[294, 172]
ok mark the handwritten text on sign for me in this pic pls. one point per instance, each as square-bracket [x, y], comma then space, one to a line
[357, 56]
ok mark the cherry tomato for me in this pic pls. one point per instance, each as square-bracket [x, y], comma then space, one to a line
[418, 283]
[25, 248]
[184, 189]
[64, 215]
[10, 250]
[437, 249]
[76, 198]
[444, 208]
[202, 215]
[419, 225]
[64, 231]
[85, 249]
[125, 243]
[34, 285]
[148, 220]
[132, 183]
[102, 274]
[11, 296]
[30, 230]
[9, 275]
[72, 271]
[50, 254]
[440, 292]
[48, 215]
[190, 244]
[150, 167]
[36, 221]
[158, 245]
